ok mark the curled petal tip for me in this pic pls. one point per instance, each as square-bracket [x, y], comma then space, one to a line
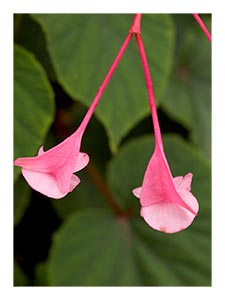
[137, 192]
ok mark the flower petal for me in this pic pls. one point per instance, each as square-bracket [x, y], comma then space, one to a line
[189, 199]
[63, 176]
[158, 182]
[167, 217]
[46, 183]
[177, 180]
[41, 150]
[74, 182]
[82, 161]
[137, 192]
[186, 184]
[183, 182]
[52, 159]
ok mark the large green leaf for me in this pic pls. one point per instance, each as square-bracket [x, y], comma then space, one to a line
[92, 249]
[82, 48]
[33, 104]
[95, 248]
[187, 98]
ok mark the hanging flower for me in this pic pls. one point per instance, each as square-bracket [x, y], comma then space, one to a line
[167, 203]
[51, 172]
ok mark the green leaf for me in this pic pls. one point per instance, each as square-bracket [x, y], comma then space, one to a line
[92, 248]
[41, 274]
[20, 279]
[22, 194]
[35, 42]
[180, 259]
[187, 98]
[82, 49]
[33, 104]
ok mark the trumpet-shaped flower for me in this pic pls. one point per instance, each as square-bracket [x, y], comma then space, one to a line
[51, 172]
[167, 203]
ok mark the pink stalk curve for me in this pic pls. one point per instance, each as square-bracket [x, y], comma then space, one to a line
[202, 25]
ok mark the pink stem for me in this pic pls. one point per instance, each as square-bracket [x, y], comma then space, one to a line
[136, 25]
[150, 90]
[202, 25]
[91, 109]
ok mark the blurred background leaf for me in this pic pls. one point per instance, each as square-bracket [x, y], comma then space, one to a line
[35, 42]
[20, 279]
[22, 193]
[92, 249]
[33, 104]
[187, 98]
[81, 71]
[85, 196]
[41, 275]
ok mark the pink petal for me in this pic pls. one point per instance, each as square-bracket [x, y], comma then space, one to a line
[137, 192]
[63, 176]
[46, 183]
[177, 180]
[82, 161]
[74, 182]
[184, 182]
[157, 183]
[41, 150]
[167, 217]
[52, 159]
[73, 164]
[188, 198]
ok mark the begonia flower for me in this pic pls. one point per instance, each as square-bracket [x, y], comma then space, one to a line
[166, 203]
[51, 172]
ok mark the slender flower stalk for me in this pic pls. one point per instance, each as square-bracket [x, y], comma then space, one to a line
[105, 82]
[151, 97]
[51, 172]
[204, 28]
[167, 203]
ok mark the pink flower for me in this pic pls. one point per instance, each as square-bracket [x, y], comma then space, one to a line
[167, 203]
[51, 172]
